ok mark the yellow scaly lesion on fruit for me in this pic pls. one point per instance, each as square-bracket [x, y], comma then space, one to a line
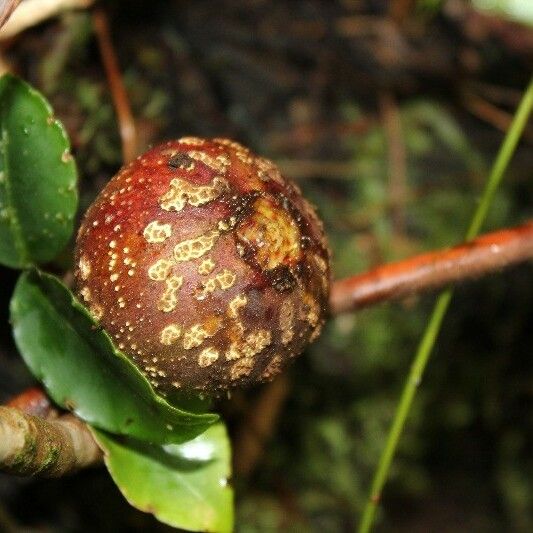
[206, 267]
[286, 322]
[85, 267]
[156, 232]
[272, 233]
[160, 270]
[182, 192]
[170, 334]
[169, 298]
[208, 356]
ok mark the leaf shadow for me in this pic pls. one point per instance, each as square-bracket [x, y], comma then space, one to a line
[173, 456]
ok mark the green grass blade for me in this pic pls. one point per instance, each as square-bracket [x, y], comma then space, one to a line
[432, 330]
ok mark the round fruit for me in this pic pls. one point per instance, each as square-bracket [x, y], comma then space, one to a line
[208, 268]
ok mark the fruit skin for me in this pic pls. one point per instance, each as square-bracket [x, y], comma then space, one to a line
[208, 269]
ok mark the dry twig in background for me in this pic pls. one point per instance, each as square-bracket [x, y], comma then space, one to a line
[397, 160]
[128, 134]
[258, 427]
[492, 114]
[306, 168]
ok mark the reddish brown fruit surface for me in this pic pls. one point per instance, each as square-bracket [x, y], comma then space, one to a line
[207, 268]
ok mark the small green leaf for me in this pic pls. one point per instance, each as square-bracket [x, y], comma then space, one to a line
[38, 196]
[183, 485]
[82, 371]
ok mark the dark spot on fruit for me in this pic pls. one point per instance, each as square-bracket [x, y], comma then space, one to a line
[281, 278]
[180, 160]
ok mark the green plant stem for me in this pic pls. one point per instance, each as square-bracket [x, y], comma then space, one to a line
[443, 301]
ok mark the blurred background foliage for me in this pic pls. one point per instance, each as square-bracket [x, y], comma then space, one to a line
[388, 114]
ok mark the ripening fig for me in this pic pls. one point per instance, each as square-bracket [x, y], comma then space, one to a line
[208, 269]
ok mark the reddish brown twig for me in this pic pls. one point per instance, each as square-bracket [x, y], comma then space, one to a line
[128, 133]
[33, 401]
[492, 114]
[486, 254]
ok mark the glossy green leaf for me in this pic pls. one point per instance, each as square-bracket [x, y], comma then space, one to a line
[82, 371]
[38, 196]
[183, 485]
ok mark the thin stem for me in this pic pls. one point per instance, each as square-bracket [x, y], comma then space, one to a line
[433, 270]
[432, 330]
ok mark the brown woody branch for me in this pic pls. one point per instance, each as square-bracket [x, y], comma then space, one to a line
[30, 445]
[434, 270]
